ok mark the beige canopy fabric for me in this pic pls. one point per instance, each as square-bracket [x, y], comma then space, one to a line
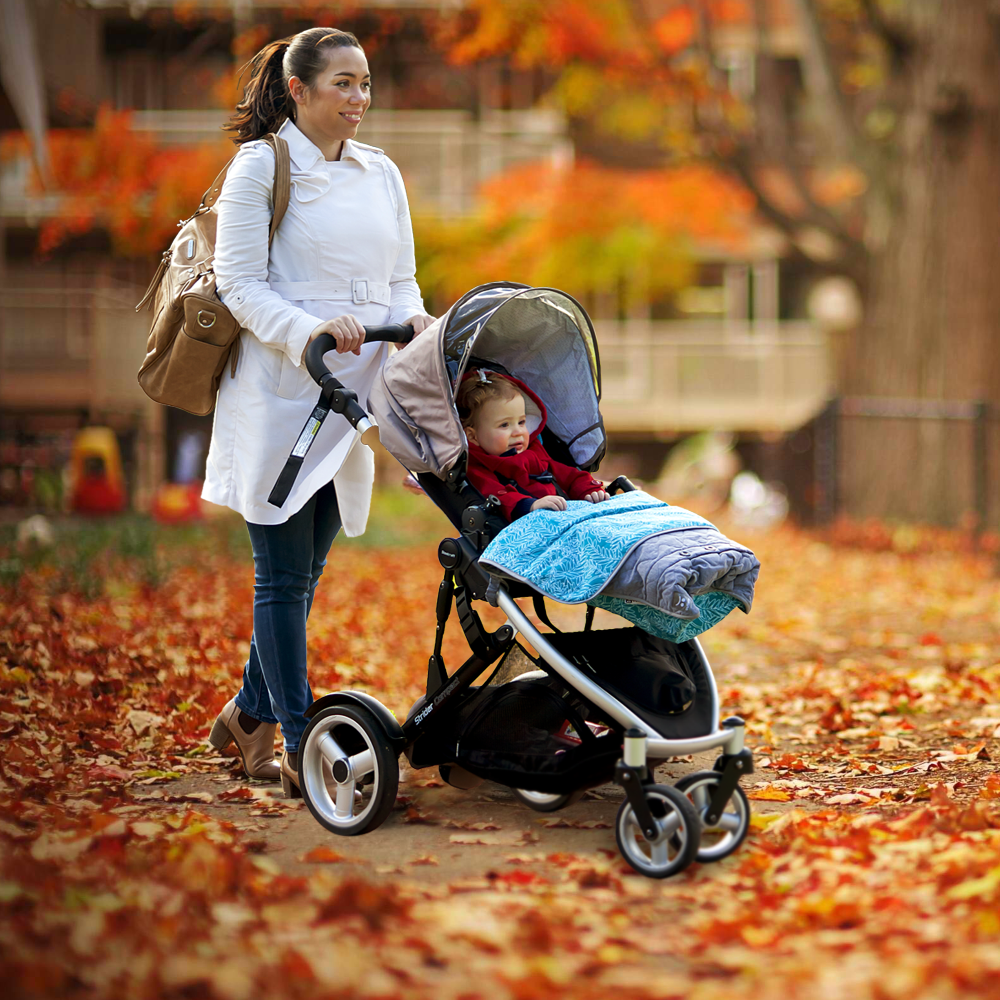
[540, 335]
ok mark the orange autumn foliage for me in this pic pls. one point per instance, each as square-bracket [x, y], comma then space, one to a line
[118, 178]
[587, 228]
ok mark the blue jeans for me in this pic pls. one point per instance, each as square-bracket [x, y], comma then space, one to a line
[288, 562]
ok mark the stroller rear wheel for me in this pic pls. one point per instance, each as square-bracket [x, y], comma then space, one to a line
[545, 802]
[678, 833]
[720, 840]
[348, 772]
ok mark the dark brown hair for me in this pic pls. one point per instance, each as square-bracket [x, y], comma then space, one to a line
[267, 102]
[473, 392]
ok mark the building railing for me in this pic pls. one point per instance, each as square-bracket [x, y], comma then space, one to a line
[67, 346]
[444, 155]
[63, 347]
[676, 377]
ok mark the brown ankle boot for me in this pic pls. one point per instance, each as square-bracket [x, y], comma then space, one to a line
[256, 748]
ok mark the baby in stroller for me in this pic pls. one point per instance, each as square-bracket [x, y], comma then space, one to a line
[506, 456]
[557, 712]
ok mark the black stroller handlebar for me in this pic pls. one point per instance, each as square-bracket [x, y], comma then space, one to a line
[335, 397]
[395, 333]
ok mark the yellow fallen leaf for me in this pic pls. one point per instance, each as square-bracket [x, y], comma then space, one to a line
[768, 793]
[761, 821]
[971, 888]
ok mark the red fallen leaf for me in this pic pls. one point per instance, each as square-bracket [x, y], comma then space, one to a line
[415, 815]
[941, 796]
[560, 822]
[518, 877]
[791, 763]
[108, 772]
[991, 789]
[323, 855]
[454, 824]
[931, 639]
[236, 794]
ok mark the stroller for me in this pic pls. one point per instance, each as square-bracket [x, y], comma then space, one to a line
[558, 712]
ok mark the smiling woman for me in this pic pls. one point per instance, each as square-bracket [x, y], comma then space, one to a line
[341, 258]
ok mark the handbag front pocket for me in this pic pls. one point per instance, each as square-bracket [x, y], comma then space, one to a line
[207, 320]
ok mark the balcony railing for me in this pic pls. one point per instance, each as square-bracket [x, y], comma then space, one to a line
[444, 155]
[667, 377]
[63, 347]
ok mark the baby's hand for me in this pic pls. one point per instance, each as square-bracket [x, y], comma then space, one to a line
[597, 496]
[549, 503]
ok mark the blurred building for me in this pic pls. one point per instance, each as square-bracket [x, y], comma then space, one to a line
[734, 352]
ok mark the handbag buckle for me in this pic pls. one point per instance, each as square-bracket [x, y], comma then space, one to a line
[359, 291]
[206, 318]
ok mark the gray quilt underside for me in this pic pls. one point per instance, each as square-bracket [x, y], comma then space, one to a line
[668, 569]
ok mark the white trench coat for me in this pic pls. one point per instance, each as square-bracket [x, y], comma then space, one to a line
[345, 245]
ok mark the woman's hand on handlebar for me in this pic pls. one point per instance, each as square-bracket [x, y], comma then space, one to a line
[420, 322]
[347, 330]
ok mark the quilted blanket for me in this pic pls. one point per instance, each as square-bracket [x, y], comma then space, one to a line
[662, 567]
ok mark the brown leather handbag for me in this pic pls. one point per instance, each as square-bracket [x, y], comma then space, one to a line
[193, 334]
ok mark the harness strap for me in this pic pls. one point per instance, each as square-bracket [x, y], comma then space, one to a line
[538, 602]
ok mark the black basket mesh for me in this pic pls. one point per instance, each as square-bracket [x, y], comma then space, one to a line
[526, 734]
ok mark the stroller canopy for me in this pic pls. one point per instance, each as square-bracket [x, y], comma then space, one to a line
[540, 335]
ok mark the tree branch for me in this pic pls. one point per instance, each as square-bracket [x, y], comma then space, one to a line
[821, 75]
[776, 127]
[895, 39]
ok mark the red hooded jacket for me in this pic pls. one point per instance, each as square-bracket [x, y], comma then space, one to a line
[518, 480]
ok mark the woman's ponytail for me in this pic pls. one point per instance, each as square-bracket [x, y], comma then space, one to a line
[266, 101]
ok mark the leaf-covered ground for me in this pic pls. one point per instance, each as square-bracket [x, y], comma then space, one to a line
[869, 672]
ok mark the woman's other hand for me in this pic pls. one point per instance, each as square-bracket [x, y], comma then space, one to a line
[347, 330]
[549, 503]
[420, 322]
[410, 483]
[597, 496]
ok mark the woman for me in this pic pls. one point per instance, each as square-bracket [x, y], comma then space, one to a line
[342, 257]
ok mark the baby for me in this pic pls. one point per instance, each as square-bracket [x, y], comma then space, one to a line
[508, 461]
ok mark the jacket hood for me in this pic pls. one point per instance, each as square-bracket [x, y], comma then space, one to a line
[533, 406]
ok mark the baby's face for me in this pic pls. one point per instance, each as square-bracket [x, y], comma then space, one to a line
[500, 425]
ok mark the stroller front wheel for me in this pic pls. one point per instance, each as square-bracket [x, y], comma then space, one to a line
[677, 838]
[720, 840]
[348, 772]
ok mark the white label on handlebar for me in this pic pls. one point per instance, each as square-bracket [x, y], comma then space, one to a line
[306, 437]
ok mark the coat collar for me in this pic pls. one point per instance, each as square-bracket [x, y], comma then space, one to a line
[306, 155]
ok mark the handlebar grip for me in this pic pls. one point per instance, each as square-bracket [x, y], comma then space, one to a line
[394, 333]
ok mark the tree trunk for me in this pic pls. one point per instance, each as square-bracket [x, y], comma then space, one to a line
[933, 303]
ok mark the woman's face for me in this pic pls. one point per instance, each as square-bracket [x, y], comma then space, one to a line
[337, 101]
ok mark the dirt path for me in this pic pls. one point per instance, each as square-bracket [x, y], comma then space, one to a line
[435, 832]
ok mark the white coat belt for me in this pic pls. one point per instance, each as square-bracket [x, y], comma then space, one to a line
[358, 291]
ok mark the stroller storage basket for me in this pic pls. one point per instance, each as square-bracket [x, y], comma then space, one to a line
[526, 735]
[663, 683]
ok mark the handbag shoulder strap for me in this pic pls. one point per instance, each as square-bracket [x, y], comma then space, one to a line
[281, 190]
